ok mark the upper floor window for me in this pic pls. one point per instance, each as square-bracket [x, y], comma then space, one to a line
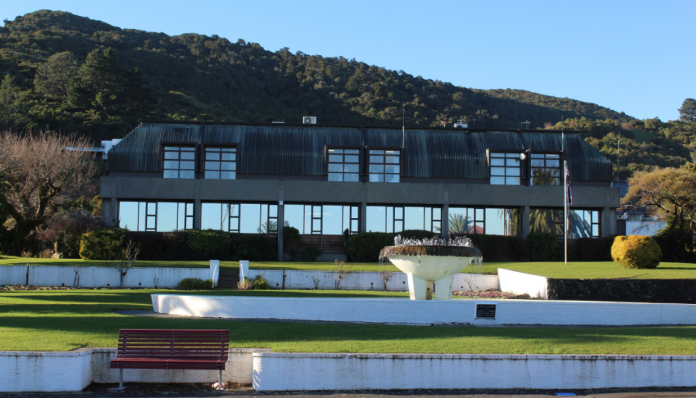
[546, 169]
[505, 169]
[384, 165]
[344, 164]
[220, 163]
[179, 162]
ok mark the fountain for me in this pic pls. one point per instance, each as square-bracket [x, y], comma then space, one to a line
[430, 264]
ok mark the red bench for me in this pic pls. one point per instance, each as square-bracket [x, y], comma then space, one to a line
[171, 349]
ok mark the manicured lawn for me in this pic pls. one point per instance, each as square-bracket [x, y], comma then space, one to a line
[66, 320]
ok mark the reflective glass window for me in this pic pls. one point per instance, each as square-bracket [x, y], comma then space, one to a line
[545, 169]
[384, 165]
[179, 162]
[343, 164]
[505, 168]
[155, 216]
[221, 163]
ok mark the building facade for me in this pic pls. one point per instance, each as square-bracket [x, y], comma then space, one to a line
[331, 181]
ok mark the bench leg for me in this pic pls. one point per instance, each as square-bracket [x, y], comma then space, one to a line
[120, 380]
[220, 387]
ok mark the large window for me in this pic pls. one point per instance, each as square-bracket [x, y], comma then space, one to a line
[490, 221]
[155, 216]
[398, 218]
[179, 162]
[581, 223]
[323, 219]
[246, 218]
[505, 169]
[546, 169]
[384, 165]
[344, 164]
[220, 163]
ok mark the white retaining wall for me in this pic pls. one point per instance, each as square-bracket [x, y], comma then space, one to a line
[162, 277]
[522, 283]
[426, 312]
[360, 280]
[294, 371]
[75, 370]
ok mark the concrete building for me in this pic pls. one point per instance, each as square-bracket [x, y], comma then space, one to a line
[331, 181]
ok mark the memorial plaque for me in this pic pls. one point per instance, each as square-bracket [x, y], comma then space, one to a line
[485, 310]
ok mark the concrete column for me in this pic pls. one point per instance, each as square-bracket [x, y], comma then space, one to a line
[608, 221]
[363, 209]
[525, 220]
[113, 217]
[197, 208]
[445, 214]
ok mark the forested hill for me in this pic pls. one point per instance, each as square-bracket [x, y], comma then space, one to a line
[55, 85]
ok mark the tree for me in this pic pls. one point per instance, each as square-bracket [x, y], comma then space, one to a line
[687, 112]
[41, 175]
[11, 103]
[458, 224]
[97, 82]
[53, 78]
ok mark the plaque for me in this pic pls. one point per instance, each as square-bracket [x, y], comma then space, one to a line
[485, 310]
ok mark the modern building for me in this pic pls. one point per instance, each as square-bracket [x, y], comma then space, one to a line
[331, 181]
[635, 220]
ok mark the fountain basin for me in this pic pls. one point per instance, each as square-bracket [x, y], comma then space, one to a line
[430, 268]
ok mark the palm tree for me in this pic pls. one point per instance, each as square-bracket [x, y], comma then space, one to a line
[458, 224]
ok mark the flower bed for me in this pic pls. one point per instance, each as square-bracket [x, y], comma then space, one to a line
[492, 294]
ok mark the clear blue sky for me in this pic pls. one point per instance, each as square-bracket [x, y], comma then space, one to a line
[633, 56]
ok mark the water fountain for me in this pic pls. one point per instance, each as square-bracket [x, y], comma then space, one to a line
[430, 264]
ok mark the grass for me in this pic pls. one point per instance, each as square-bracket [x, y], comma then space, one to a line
[66, 320]
[574, 270]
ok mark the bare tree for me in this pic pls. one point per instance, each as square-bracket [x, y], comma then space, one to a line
[386, 276]
[42, 171]
[342, 270]
[128, 257]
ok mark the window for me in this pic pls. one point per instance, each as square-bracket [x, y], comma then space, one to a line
[179, 162]
[220, 163]
[398, 218]
[546, 169]
[323, 219]
[467, 220]
[384, 165]
[245, 218]
[344, 164]
[581, 223]
[156, 216]
[505, 169]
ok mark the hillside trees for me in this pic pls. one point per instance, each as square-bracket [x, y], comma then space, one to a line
[687, 112]
[53, 77]
[11, 103]
[40, 175]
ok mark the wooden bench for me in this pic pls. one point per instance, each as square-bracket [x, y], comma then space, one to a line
[171, 349]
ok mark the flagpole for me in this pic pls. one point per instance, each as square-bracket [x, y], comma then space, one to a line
[565, 210]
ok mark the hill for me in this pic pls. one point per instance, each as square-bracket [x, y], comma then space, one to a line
[55, 80]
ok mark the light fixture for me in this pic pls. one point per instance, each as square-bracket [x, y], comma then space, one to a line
[523, 156]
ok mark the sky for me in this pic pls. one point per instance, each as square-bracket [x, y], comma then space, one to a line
[631, 56]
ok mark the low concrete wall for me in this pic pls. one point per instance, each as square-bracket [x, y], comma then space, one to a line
[162, 277]
[295, 371]
[325, 280]
[630, 290]
[521, 283]
[75, 370]
[422, 312]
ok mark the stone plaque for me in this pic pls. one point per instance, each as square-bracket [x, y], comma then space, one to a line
[485, 310]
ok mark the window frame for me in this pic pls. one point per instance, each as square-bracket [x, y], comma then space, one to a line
[402, 219]
[238, 217]
[343, 147]
[505, 157]
[352, 216]
[163, 159]
[368, 162]
[558, 225]
[187, 217]
[560, 159]
[204, 151]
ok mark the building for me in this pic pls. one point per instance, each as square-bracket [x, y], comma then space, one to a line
[329, 181]
[635, 220]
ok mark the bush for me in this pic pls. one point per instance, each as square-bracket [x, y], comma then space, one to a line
[676, 245]
[102, 244]
[309, 254]
[260, 283]
[195, 284]
[291, 234]
[636, 252]
[498, 247]
[591, 249]
[165, 246]
[232, 247]
[543, 246]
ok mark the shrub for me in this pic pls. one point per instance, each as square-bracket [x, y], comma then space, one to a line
[195, 284]
[210, 243]
[163, 246]
[365, 246]
[260, 283]
[543, 246]
[231, 246]
[591, 249]
[676, 245]
[498, 247]
[246, 284]
[102, 244]
[309, 254]
[636, 252]
[291, 234]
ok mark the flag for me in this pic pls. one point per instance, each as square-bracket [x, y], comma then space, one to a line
[570, 193]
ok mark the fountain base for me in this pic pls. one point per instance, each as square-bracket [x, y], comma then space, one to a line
[421, 289]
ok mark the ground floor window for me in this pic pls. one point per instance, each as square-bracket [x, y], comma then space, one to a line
[582, 223]
[401, 218]
[489, 221]
[323, 219]
[155, 216]
[246, 218]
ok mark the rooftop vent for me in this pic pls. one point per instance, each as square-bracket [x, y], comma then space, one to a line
[309, 120]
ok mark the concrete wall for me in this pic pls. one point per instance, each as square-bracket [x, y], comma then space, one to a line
[162, 277]
[296, 371]
[522, 283]
[75, 370]
[325, 280]
[422, 312]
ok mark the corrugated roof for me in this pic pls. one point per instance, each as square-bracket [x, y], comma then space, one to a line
[300, 150]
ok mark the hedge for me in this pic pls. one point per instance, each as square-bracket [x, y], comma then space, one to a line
[365, 246]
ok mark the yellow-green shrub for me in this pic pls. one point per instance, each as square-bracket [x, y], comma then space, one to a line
[102, 244]
[636, 252]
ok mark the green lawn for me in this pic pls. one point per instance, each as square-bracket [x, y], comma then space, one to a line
[66, 320]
